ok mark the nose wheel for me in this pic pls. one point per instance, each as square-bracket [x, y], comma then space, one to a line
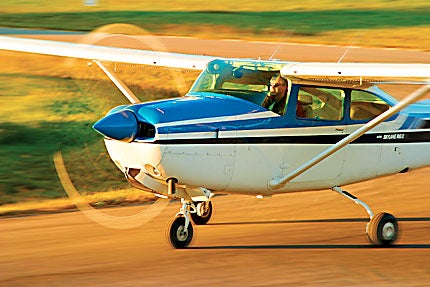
[180, 233]
[180, 229]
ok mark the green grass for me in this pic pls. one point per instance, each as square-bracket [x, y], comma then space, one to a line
[378, 27]
[300, 22]
[35, 123]
[8, 6]
[41, 115]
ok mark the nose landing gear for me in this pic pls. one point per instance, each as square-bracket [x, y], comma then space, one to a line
[181, 232]
[181, 229]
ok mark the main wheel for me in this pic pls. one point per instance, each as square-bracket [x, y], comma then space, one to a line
[179, 236]
[382, 229]
[204, 208]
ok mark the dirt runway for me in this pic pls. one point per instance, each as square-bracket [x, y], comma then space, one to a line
[308, 239]
[302, 239]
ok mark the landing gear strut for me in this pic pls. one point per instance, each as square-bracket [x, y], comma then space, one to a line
[382, 229]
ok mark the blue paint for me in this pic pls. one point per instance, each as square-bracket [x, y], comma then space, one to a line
[416, 113]
[121, 125]
[419, 109]
[193, 107]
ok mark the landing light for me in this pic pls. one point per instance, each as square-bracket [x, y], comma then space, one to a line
[151, 170]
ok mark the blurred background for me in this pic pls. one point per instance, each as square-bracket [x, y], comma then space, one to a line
[48, 103]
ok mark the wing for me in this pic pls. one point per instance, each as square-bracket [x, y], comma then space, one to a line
[320, 72]
[104, 53]
[99, 54]
[362, 73]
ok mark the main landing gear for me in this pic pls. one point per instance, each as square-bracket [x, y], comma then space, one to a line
[181, 229]
[382, 229]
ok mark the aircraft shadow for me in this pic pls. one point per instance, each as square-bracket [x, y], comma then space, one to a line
[315, 246]
[329, 220]
[312, 246]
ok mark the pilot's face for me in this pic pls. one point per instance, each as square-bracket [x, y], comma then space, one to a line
[277, 88]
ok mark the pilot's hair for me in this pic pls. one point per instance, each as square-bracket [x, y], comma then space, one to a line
[277, 76]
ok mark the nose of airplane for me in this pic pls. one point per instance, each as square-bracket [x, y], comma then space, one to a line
[121, 126]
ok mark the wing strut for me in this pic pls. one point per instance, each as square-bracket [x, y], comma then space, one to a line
[278, 183]
[118, 83]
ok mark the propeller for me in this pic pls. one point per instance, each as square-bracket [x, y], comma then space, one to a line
[108, 126]
[114, 222]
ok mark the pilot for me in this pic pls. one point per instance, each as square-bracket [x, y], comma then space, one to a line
[277, 98]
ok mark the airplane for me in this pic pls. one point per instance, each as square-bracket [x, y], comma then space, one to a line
[337, 128]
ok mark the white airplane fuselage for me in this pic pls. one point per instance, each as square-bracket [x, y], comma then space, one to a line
[220, 138]
[246, 157]
[248, 168]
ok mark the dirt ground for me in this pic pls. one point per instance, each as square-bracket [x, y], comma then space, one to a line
[302, 239]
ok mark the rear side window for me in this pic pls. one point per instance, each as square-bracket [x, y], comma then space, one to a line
[320, 103]
[366, 106]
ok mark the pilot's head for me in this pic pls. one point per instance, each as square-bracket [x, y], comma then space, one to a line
[278, 87]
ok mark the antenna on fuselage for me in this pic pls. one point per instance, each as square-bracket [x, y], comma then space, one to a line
[281, 39]
[351, 45]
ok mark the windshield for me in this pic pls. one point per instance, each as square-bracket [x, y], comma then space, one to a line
[248, 80]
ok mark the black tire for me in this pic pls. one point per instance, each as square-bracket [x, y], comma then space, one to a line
[382, 229]
[205, 211]
[178, 236]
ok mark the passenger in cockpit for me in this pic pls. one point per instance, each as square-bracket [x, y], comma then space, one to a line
[277, 98]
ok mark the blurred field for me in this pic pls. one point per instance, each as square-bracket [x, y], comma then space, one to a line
[48, 103]
[52, 107]
[122, 197]
[364, 23]
[13, 6]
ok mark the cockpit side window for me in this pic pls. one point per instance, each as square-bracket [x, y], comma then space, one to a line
[206, 81]
[320, 103]
[366, 106]
[245, 79]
